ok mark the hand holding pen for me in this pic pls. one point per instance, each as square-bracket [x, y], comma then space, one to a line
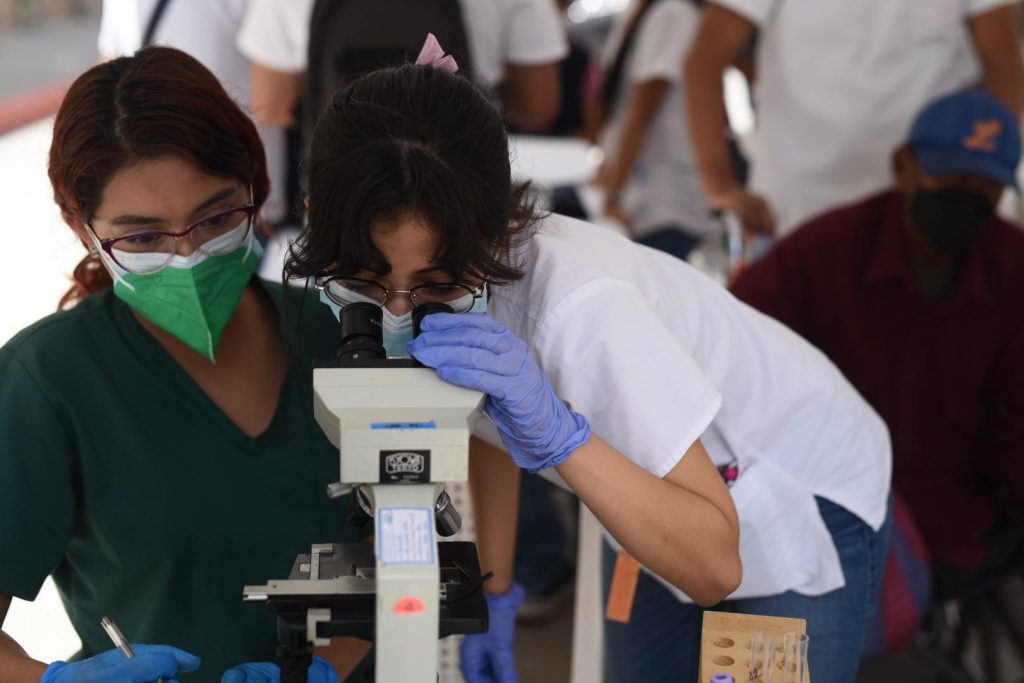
[127, 664]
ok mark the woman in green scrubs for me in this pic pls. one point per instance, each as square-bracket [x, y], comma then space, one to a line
[157, 445]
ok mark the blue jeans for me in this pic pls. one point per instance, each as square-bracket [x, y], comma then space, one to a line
[662, 640]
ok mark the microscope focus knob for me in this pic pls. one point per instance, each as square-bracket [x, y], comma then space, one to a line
[447, 519]
[360, 513]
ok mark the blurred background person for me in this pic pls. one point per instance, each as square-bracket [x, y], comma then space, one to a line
[577, 76]
[915, 294]
[206, 30]
[515, 45]
[836, 84]
[649, 175]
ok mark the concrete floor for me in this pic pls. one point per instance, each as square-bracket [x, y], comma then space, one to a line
[543, 650]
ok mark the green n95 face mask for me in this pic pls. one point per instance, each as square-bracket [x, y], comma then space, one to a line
[194, 296]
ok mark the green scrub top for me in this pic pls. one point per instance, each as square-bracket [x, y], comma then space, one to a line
[124, 480]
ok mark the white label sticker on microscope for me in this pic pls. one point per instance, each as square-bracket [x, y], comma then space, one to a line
[405, 536]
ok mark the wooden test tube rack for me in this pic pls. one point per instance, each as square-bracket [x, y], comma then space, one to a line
[725, 643]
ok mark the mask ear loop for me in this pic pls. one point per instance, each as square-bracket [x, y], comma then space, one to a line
[252, 226]
[97, 250]
[485, 291]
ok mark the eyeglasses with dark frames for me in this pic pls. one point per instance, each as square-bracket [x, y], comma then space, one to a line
[349, 290]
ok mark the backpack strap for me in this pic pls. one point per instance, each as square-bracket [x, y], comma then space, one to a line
[154, 22]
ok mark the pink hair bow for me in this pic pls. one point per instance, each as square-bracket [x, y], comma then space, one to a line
[433, 54]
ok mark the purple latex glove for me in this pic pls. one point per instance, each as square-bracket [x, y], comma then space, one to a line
[149, 663]
[320, 671]
[488, 657]
[476, 351]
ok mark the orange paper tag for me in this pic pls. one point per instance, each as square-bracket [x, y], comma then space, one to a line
[623, 589]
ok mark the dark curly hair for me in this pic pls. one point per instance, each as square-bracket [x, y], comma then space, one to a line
[412, 140]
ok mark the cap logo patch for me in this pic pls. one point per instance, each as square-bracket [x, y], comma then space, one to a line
[983, 139]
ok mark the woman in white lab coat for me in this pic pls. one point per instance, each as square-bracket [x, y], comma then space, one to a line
[671, 381]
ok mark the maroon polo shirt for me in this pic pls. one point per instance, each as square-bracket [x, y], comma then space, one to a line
[946, 376]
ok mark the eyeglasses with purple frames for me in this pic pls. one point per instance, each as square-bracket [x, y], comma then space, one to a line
[150, 251]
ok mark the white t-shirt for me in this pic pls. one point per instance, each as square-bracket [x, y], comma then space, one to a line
[657, 355]
[500, 32]
[839, 84]
[665, 187]
[206, 30]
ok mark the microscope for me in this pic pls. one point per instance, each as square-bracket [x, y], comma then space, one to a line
[402, 432]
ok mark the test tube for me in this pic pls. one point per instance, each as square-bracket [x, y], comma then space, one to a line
[794, 657]
[762, 657]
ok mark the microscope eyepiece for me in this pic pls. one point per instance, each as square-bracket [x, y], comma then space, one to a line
[423, 310]
[361, 333]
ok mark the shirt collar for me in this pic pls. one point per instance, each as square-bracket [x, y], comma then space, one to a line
[889, 260]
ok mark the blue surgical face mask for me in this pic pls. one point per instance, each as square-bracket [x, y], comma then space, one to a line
[335, 308]
[480, 305]
[397, 329]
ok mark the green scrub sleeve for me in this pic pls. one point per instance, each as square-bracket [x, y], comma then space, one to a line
[37, 494]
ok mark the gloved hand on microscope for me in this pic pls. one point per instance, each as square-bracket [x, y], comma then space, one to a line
[474, 350]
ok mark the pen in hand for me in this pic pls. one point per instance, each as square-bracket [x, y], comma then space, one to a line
[119, 640]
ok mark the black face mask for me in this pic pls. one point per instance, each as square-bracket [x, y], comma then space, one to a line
[951, 218]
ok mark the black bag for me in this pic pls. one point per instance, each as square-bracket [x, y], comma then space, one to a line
[351, 37]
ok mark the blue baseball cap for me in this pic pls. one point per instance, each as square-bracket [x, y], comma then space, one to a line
[971, 132]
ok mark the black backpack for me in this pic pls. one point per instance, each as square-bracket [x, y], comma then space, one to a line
[348, 38]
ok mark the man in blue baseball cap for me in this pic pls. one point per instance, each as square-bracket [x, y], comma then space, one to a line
[962, 152]
[917, 295]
